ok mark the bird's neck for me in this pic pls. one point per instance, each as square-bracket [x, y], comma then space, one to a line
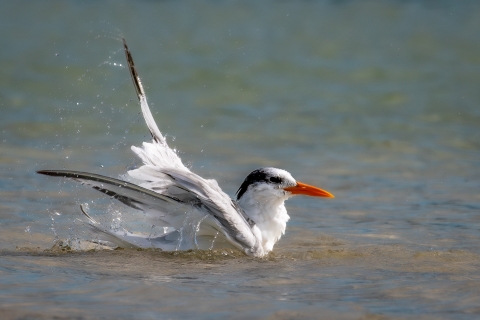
[269, 214]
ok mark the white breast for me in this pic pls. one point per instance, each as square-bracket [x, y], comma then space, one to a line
[266, 207]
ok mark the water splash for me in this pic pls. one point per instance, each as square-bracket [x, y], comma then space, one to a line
[196, 229]
[152, 235]
[116, 222]
[73, 241]
[213, 241]
[53, 226]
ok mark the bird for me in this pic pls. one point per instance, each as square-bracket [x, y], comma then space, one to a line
[191, 212]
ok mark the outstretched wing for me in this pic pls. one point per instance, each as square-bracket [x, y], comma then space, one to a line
[157, 153]
[152, 126]
[186, 192]
[167, 190]
[164, 172]
[126, 192]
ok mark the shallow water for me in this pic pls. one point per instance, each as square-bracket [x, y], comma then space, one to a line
[375, 101]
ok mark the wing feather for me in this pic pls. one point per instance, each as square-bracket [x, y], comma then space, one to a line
[168, 189]
[137, 83]
[219, 204]
[119, 189]
[232, 224]
[158, 157]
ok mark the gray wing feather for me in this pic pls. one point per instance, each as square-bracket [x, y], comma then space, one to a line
[230, 216]
[197, 192]
[124, 191]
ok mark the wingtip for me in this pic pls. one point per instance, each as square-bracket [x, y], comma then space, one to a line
[133, 72]
[59, 173]
[137, 83]
[49, 172]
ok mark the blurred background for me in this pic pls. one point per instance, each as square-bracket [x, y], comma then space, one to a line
[375, 101]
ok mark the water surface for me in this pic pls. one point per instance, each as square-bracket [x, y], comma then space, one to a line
[375, 101]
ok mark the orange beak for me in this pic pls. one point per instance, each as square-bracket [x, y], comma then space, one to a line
[308, 190]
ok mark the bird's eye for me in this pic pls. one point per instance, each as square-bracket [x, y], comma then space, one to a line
[275, 180]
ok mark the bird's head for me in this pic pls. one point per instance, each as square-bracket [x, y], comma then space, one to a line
[278, 182]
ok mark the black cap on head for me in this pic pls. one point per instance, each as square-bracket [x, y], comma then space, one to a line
[265, 175]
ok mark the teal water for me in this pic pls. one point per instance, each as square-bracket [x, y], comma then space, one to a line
[375, 101]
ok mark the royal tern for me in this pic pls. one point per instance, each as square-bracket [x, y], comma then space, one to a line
[193, 212]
